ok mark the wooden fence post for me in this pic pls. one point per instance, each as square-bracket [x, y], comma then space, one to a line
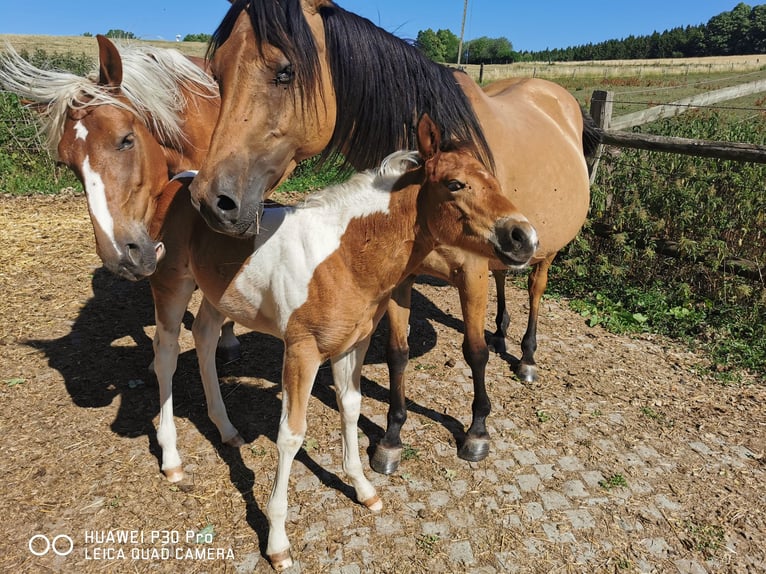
[601, 112]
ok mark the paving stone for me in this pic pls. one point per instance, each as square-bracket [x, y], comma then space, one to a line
[580, 519]
[689, 567]
[438, 499]
[461, 518]
[663, 501]
[545, 471]
[356, 538]
[528, 482]
[341, 517]
[701, 448]
[575, 489]
[387, 525]
[533, 511]
[592, 478]
[512, 521]
[440, 529]
[462, 553]
[553, 500]
[458, 488]
[570, 463]
[526, 457]
[555, 535]
[657, 547]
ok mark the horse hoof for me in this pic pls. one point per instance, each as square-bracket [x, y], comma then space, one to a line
[386, 459]
[474, 449]
[229, 354]
[375, 504]
[527, 373]
[235, 442]
[281, 560]
[174, 474]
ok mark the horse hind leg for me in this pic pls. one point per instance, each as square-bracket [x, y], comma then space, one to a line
[347, 373]
[502, 319]
[538, 281]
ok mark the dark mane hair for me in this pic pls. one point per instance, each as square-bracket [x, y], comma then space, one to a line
[382, 84]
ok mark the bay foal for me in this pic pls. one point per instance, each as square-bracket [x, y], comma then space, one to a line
[319, 276]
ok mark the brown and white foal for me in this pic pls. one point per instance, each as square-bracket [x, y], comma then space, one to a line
[319, 276]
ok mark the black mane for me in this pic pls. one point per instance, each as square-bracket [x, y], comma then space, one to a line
[382, 84]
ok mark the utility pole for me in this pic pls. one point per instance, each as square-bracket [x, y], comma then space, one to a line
[462, 32]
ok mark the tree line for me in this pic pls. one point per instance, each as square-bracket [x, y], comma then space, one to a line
[739, 31]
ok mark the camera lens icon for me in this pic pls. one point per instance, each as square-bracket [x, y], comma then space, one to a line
[61, 545]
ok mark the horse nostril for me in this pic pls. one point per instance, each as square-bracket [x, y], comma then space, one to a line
[134, 253]
[225, 203]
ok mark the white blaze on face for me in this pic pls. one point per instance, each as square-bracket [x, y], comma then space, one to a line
[96, 193]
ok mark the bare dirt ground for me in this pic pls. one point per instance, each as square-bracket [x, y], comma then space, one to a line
[624, 457]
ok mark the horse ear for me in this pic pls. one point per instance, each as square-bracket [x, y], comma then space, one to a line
[429, 139]
[109, 63]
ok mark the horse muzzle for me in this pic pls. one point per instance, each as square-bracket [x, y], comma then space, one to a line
[515, 242]
[137, 261]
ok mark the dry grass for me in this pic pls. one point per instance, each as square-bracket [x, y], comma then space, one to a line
[87, 45]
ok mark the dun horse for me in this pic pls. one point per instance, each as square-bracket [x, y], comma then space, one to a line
[144, 115]
[304, 77]
[319, 276]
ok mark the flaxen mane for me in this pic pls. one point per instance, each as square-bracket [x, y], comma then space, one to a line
[151, 88]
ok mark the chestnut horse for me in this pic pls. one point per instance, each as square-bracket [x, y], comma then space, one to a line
[305, 77]
[145, 114]
[319, 276]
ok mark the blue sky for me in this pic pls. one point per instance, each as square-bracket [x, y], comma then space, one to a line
[529, 25]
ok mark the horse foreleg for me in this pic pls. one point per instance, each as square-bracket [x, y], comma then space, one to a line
[502, 320]
[388, 452]
[300, 366]
[538, 281]
[228, 345]
[169, 308]
[205, 329]
[472, 282]
[347, 373]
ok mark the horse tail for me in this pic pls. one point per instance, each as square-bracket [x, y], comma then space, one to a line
[592, 135]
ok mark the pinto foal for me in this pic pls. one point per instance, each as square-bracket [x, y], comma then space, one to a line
[319, 276]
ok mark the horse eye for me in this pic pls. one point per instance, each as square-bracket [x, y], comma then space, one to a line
[284, 76]
[127, 142]
[455, 185]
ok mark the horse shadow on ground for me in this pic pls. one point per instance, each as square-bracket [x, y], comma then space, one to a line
[107, 353]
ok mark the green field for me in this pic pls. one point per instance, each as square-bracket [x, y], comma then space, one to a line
[673, 245]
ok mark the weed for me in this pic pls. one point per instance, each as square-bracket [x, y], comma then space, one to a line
[427, 543]
[613, 481]
[257, 450]
[705, 538]
[409, 452]
[543, 417]
[310, 444]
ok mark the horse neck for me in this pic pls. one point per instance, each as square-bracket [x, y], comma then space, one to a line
[391, 247]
